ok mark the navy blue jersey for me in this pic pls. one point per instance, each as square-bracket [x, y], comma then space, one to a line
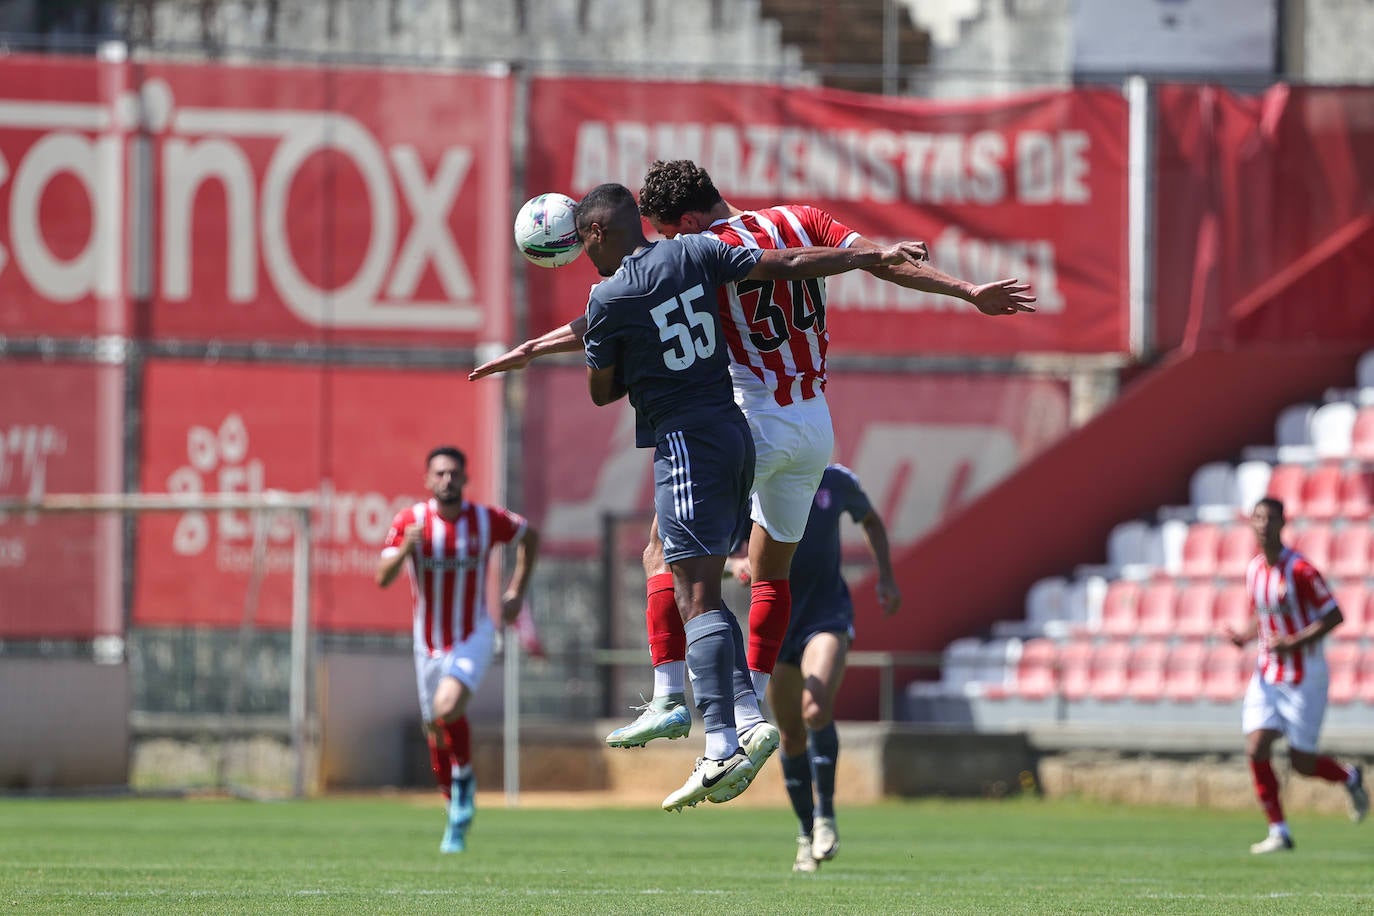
[818, 590]
[657, 319]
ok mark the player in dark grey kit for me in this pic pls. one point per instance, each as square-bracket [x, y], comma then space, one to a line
[811, 662]
[653, 333]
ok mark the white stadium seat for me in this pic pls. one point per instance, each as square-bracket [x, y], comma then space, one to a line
[1213, 484]
[1364, 370]
[1252, 482]
[1294, 425]
[1332, 427]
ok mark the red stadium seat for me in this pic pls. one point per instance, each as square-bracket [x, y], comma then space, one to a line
[1158, 608]
[1364, 692]
[1314, 542]
[1120, 609]
[1357, 493]
[1183, 671]
[1232, 607]
[1145, 678]
[1200, 550]
[1362, 437]
[1321, 492]
[1226, 670]
[1238, 548]
[1075, 669]
[1343, 661]
[1354, 600]
[1193, 615]
[1037, 674]
[1286, 483]
[1110, 665]
[1350, 548]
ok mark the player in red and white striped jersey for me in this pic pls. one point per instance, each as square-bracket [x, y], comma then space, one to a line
[445, 544]
[1293, 610]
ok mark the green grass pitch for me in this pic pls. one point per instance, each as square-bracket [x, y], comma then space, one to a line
[379, 855]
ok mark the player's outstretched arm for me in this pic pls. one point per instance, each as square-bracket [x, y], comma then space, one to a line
[875, 533]
[1000, 297]
[806, 263]
[567, 339]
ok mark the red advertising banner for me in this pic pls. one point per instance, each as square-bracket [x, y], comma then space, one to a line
[1030, 187]
[59, 573]
[357, 436]
[62, 204]
[922, 444]
[257, 203]
[1262, 206]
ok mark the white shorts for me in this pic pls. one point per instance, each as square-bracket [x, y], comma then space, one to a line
[467, 661]
[792, 447]
[1295, 710]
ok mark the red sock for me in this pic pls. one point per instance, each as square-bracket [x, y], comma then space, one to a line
[459, 741]
[770, 606]
[1267, 790]
[440, 764]
[667, 636]
[1331, 771]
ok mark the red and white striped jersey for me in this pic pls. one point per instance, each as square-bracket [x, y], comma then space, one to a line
[449, 567]
[776, 328]
[1287, 597]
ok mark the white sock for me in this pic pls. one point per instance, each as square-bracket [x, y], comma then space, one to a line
[760, 680]
[721, 744]
[1279, 829]
[669, 678]
[747, 715]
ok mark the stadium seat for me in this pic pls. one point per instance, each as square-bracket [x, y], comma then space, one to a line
[959, 664]
[1286, 483]
[1294, 425]
[1364, 370]
[1130, 546]
[1213, 484]
[1353, 600]
[1350, 548]
[1226, 670]
[1110, 666]
[1252, 482]
[1036, 672]
[1238, 548]
[1331, 428]
[1343, 662]
[1364, 692]
[1120, 608]
[1232, 606]
[1200, 550]
[1085, 598]
[1183, 671]
[1362, 435]
[1075, 668]
[1357, 493]
[1046, 602]
[996, 668]
[1313, 541]
[1321, 492]
[1194, 613]
[1145, 676]
[1158, 608]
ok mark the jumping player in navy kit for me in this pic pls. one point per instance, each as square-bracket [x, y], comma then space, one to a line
[654, 333]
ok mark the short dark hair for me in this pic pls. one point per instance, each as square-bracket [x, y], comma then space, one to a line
[448, 451]
[609, 204]
[1274, 503]
[674, 188]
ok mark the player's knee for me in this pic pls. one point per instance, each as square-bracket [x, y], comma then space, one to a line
[1303, 764]
[793, 742]
[816, 714]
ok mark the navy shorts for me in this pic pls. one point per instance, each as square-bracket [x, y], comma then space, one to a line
[803, 627]
[702, 479]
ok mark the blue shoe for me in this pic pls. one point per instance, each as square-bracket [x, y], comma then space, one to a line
[661, 717]
[460, 813]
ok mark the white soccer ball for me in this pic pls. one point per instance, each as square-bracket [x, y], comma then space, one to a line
[545, 231]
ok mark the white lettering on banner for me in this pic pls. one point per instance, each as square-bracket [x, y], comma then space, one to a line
[202, 145]
[979, 260]
[24, 455]
[1042, 168]
[347, 522]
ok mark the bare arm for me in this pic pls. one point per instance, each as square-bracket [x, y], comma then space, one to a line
[567, 339]
[526, 554]
[806, 263]
[1310, 633]
[390, 563]
[1000, 297]
[875, 533]
[604, 386]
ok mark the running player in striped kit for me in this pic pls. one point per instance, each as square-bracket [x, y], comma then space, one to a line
[1294, 610]
[445, 544]
[653, 333]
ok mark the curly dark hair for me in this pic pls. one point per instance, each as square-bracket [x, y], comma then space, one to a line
[674, 188]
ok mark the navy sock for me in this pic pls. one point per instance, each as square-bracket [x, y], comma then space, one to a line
[825, 749]
[710, 663]
[796, 776]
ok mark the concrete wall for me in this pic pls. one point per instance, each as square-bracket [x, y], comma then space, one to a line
[63, 723]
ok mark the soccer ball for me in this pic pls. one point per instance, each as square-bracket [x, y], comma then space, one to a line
[545, 231]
